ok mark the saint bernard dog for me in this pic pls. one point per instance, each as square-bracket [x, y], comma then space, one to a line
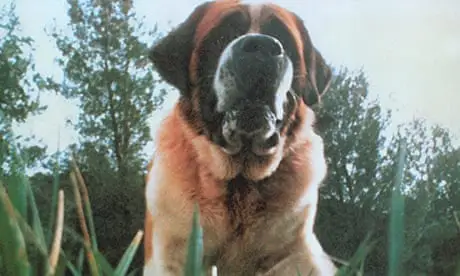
[239, 143]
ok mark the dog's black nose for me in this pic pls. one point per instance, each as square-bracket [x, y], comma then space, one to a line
[258, 61]
[260, 44]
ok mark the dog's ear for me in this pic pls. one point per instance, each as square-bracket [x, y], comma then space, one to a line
[171, 55]
[319, 75]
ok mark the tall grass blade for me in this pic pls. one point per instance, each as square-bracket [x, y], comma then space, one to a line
[54, 193]
[74, 270]
[36, 221]
[20, 189]
[128, 256]
[80, 260]
[358, 258]
[29, 235]
[86, 202]
[298, 271]
[134, 272]
[396, 227]
[457, 271]
[81, 216]
[56, 248]
[193, 265]
[104, 264]
[12, 244]
[16, 185]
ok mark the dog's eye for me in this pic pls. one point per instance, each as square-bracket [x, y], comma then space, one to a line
[292, 94]
[279, 123]
[291, 97]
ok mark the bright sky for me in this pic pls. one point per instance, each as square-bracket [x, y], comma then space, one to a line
[410, 51]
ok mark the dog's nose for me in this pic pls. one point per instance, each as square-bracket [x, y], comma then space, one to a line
[257, 61]
[260, 44]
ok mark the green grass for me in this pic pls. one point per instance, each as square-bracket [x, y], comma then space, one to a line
[21, 232]
[396, 227]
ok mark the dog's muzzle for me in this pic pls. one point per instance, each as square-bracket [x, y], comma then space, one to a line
[251, 83]
[251, 128]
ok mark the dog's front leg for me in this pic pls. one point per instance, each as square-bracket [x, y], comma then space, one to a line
[309, 260]
[168, 224]
[169, 248]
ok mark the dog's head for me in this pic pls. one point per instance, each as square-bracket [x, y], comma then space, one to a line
[246, 74]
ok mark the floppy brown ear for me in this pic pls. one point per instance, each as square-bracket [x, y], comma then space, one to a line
[319, 75]
[171, 55]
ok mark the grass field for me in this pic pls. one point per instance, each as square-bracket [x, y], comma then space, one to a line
[22, 232]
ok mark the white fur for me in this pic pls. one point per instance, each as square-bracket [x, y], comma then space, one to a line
[150, 196]
[281, 93]
[318, 170]
[224, 82]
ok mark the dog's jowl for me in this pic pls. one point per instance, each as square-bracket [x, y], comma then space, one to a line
[240, 142]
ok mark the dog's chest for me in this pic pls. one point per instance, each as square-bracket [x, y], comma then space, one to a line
[257, 225]
[245, 203]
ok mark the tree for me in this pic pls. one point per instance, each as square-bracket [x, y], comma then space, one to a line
[355, 198]
[18, 83]
[353, 143]
[100, 63]
[444, 211]
[425, 144]
[116, 96]
[355, 188]
[15, 101]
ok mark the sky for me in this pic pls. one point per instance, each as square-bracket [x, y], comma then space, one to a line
[409, 50]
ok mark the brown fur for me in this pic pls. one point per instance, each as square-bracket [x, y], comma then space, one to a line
[215, 12]
[290, 22]
[268, 229]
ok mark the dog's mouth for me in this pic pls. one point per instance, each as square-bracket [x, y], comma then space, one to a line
[254, 130]
[245, 146]
[253, 77]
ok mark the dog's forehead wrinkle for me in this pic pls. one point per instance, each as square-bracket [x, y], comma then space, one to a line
[255, 11]
[216, 12]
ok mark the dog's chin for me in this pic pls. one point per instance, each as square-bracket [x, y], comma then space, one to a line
[259, 160]
[238, 148]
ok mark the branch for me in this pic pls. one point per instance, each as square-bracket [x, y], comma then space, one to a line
[457, 221]
[126, 129]
[348, 180]
[115, 127]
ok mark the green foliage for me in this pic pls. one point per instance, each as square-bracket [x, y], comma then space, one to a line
[116, 96]
[354, 142]
[102, 59]
[18, 82]
[362, 159]
[12, 245]
[355, 265]
[22, 235]
[15, 101]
